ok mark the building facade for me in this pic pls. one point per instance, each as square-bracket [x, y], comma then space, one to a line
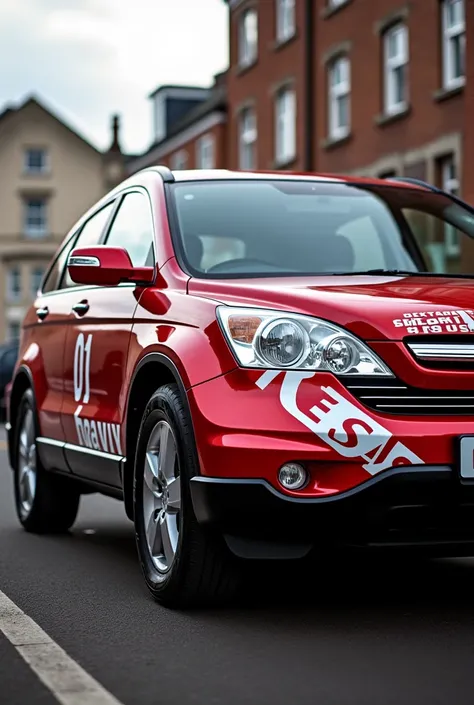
[376, 87]
[347, 86]
[371, 87]
[189, 128]
[49, 175]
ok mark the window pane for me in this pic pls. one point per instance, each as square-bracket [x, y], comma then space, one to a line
[342, 112]
[285, 13]
[336, 73]
[35, 224]
[89, 236]
[454, 12]
[53, 278]
[132, 229]
[13, 330]
[14, 284]
[392, 44]
[35, 160]
[36, 279]
[179, 160]
[248, 37]
[285, 126]
[247, 139]
[399, 84]
[205, 152]
[294, 227]
[458, 56]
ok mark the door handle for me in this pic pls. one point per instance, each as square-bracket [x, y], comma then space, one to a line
[81, 308]
[42, 312]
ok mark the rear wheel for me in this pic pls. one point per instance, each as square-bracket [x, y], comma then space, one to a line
[183, 564]
[45, 503]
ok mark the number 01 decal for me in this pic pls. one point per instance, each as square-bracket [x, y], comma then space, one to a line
[82, 366]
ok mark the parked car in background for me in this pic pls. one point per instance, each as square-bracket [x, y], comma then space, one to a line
[261, 366]
[8, 358]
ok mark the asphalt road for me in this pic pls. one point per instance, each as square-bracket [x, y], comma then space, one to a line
[355, 636]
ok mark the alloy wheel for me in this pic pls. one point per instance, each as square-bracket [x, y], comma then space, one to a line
[27, 464]
[162, 496]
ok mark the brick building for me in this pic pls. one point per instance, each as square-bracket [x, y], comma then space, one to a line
[376, 87]
[189, 125]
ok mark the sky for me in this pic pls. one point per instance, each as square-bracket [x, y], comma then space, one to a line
[88, 59]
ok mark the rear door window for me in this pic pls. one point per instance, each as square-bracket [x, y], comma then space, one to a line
[90, 235]
[132, 229]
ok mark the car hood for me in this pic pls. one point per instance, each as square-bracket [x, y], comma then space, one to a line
[372, 307]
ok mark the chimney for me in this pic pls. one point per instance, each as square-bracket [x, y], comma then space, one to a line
[115, 146]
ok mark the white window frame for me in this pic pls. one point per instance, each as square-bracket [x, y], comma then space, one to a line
[206, 152]
[248, 139]
[391, 64]
[450, 183]
[179, 160]
[35, 231]
[285, 125]
[14, 284]
[336, 93]
[285, 20]
[33, 281]
[248, 46]
[452, 34]
[28, 169]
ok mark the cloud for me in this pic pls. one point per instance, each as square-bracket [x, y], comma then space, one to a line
[91, 58]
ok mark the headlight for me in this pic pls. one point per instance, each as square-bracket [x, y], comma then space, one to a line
[277, 340]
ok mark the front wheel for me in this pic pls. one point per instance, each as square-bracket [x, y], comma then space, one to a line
[45, 503]
[182, 564]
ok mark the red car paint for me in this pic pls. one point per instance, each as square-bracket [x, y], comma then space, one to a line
[82, 364]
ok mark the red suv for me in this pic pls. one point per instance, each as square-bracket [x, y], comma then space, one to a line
[260, 366]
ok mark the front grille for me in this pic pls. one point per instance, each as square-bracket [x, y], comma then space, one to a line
[391, 396]
[435, 353]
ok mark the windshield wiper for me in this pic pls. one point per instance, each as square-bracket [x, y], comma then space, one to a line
[402, 273]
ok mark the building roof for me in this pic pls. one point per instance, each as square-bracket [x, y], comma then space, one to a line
[217, 101]
[32, 100]
[174, 88]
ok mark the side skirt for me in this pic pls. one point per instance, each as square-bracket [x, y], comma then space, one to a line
[94, 467]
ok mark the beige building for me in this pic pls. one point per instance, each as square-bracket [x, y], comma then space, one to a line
[49, 175]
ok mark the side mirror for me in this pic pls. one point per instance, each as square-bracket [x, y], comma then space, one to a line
[106, 266]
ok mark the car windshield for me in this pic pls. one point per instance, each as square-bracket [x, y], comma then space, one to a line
[252, 228]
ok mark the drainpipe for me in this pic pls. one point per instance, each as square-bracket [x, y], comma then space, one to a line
[309, 86]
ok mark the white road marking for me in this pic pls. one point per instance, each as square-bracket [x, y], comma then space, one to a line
[66, 680]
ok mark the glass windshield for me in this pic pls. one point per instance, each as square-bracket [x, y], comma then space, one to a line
[229, 229]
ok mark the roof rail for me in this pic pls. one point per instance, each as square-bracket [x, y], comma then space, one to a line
[414, 182]
[165, 173]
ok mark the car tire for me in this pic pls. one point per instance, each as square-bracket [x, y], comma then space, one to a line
[45, 502]
[184, 565]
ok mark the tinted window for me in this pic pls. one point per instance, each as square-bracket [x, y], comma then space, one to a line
[89, 236]
[132, 229]
[252, 228]
[54, 275]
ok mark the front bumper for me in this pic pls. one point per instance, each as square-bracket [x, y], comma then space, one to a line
[406, 507]
[247, 424]
[374, 479]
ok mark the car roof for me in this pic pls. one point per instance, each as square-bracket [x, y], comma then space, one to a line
[223, 174]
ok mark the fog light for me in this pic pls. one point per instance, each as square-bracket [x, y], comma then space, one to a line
[292, 476]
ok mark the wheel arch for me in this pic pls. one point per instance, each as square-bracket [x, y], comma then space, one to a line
[152, 371]
[23, 381]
